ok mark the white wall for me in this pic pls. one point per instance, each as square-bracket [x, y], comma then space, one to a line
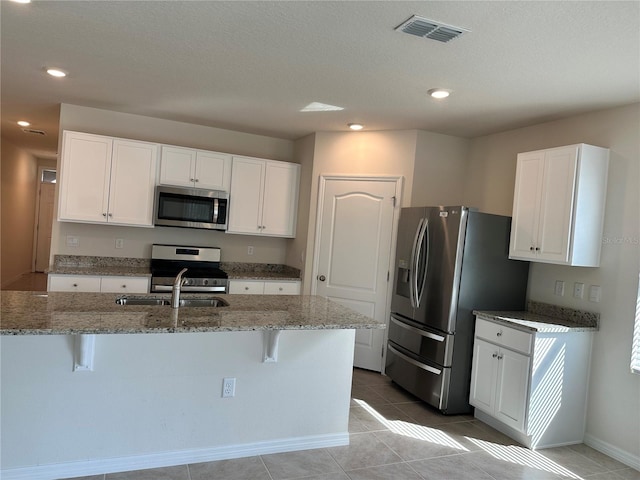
[100, 239]
[157, 398]
[19, 172]
[613, 418]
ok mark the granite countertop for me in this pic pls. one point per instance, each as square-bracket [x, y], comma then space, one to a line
[42, 313]
[141, 267]
[545, 318]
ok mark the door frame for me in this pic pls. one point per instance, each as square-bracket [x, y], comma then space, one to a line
[34, 251]
[398, 180]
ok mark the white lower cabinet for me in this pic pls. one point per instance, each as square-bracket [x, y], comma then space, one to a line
[96, 283]
[530, 385]
[264, 287]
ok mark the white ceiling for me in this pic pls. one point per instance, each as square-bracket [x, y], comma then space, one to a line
[251, 66]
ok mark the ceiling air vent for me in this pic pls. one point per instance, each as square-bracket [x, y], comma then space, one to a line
[35, 132]
[423, 27]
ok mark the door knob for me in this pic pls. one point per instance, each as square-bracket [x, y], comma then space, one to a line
[322, 278]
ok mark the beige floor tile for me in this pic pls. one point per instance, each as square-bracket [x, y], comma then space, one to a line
[517, 463]
[328, 476]
[397, 471]
[379, 417]
[300, 464]
[367, 395]
[393, 393]
[426, 415]
[454, 467]
[168, 473]
[628, 474]
[573, 461]
[364, 450]
[600, 458]
[251, 468]
[420, 443]
[92, 477]
[367, 378]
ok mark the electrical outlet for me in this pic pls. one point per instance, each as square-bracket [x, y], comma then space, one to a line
[249, 250]
[228, 387]
[72, 241]
[559, 290]
[578, 290]
[119, 242]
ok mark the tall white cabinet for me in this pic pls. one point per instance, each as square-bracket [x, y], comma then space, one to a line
[107, 180]
[558, 206]
[263, 197]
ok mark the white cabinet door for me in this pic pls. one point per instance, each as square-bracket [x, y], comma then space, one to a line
[133, 178]
[280, 199]
[124, 285]
[247, 287]
[512, 388]
[263, 197]
[281, 288]
[84, 177]
[558, 205]
[213, 170]
[177, 166]
[484, 376]
[73, 283]
[526, 205]
[245, 196]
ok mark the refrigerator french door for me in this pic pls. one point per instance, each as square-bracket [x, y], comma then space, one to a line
[449, 262]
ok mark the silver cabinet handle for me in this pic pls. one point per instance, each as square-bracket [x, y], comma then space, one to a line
[246, 288]
[499, 334]
[124, 286]
[75, 285]
[110, 215]
[322, 278]
[495, 355]
[104, 214]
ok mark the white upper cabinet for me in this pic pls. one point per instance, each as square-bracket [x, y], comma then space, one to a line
[263, 197]
[558, 205]
[107, 180]
[187, 167]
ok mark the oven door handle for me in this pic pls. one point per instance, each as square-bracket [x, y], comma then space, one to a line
[216, 206]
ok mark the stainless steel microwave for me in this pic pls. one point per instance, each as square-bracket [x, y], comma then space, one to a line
[191, 208]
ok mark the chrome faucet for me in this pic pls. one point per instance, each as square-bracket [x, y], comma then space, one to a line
[175, 291]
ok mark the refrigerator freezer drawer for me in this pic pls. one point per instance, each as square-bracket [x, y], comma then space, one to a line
[433, 346]
[428, 382]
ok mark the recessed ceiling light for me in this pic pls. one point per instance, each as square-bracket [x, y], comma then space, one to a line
[23, 123]
[439, 92]
[356, 126]
[320, 107]
[56, 72]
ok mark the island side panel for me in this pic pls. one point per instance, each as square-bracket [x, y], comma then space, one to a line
[158, 393]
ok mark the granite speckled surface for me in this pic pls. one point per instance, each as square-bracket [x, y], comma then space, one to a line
[41, 313]
[140, 267]
[546, 318]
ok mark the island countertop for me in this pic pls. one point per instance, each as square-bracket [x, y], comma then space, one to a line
[59, 313]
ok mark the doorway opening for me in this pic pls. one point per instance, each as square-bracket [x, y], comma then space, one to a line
[43, 218]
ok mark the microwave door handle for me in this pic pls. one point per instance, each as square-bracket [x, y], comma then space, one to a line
[412, 276]
[216, 202]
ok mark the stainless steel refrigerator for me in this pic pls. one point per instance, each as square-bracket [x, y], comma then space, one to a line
[449, 262]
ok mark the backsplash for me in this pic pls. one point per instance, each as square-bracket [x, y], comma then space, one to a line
[581, 317]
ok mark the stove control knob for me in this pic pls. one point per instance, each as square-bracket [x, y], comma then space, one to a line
[205, 282]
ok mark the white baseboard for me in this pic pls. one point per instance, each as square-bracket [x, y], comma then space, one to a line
[614, 452]
[168, 459]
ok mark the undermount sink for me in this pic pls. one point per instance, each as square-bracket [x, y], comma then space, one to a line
[184, 302]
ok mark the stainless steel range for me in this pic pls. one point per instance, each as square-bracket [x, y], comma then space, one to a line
[203, 273]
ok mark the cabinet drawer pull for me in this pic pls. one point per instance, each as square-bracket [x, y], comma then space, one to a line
[495, 355]
[75, 285]
[246, 288]
[104, 214]
[499, 334]
[500, 357]
[124, 286]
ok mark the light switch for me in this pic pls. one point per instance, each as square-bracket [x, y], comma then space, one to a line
[578, 290]
[559, 290]
[595, 293]
[119, 242]
[72, 241]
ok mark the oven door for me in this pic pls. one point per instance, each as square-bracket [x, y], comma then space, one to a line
[191, 208]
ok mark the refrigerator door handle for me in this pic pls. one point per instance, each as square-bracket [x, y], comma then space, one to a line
[432, 336]
[412, 275]
[414, 362]
[422, 278]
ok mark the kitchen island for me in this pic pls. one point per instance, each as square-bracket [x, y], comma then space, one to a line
[148, 390]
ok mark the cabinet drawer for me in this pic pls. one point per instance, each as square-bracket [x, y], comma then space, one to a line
[504, 336]
[73, 283]
[246, 287]
[125, 285]
[281, 288]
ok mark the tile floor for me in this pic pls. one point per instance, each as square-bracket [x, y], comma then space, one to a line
[30, 282]
[396, 437]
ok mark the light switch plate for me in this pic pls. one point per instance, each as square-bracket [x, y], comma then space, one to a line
[578, 290]
[595, 293]
[72, 241]
[559, 290]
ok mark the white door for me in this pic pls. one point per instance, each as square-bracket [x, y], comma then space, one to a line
[354, 252]
[45, 221]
